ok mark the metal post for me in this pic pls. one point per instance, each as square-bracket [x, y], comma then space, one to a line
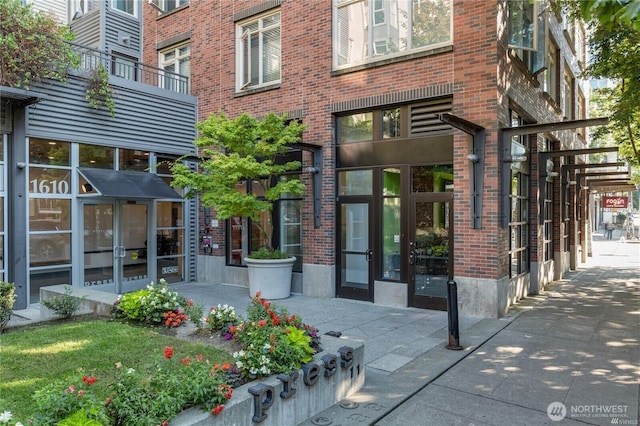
[452, 313]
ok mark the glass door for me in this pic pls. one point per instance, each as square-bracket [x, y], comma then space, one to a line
[355, 251]
[115, 245]
[430, 250]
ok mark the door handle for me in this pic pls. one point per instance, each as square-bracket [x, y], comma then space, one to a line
[412, 254]
[368, 255]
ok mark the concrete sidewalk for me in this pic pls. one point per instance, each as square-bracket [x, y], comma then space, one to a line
[576, 344]
[571, 358]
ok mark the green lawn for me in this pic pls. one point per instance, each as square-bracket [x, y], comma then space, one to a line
[34, 356]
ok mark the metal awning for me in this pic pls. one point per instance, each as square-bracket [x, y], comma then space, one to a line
[126, 184]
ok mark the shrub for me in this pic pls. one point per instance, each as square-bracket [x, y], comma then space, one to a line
[7, 298]
[65, 305]
[222, 318]
[148, 305]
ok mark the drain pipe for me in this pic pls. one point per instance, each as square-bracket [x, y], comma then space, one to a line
[452, 314]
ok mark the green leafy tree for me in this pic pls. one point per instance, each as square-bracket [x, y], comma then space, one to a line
[614, 31]
[242, 149]
[32, 46]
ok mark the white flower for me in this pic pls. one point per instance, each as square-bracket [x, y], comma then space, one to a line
[131, 371]
[5, 416]
[253, 370]
[19, 424]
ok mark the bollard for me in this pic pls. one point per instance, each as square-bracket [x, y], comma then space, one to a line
[452, 313]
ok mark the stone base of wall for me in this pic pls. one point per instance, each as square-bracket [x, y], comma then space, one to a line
[272, 402]
[94, 302]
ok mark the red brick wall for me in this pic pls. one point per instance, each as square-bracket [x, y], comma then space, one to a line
[486, 84]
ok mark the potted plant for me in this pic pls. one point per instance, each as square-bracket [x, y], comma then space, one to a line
[247, 149]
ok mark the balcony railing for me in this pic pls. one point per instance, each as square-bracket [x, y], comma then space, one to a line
[124, 67]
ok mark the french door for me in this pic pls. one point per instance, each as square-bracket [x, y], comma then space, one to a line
[115, 245]
[430, 249]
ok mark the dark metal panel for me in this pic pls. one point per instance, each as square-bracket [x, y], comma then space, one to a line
[140, 117]
[127, 184]
[428, 150]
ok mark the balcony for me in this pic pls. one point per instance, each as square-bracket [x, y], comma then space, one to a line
[129, 69]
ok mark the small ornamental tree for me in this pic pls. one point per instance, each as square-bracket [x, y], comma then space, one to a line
[244, 148]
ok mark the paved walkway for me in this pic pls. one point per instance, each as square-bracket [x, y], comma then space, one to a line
[577, 344]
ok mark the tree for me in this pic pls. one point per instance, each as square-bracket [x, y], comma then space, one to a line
[614, 31]
[32, 46]
[241, 149]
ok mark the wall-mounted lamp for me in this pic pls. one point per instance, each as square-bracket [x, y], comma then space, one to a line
[86, 187]
[571, 182]
[21, 164]
[515, 159]
[473, 158]
[312, 170]
[553, 174]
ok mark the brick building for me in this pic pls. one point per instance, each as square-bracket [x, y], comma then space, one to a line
[448, 136]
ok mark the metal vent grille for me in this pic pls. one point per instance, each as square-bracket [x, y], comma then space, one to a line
[192, 214]
[424, 117]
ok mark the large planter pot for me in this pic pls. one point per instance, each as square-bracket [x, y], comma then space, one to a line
[270, 277]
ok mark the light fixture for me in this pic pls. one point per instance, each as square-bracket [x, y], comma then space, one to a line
[473, 158]
[21, 164]
[553, 174]
[571, 182]
[312, 170]
[515, 159]
[86, 187]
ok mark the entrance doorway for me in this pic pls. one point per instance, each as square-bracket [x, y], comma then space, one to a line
[430, 250]
[115, 245]
[355, 250]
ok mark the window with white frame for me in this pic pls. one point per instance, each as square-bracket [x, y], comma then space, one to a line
[126, 6]
[169, 5]
[77, 8]
[369, 30]
[176, 63]
[258, 51]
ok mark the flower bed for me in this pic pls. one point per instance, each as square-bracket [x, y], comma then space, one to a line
[280, 357]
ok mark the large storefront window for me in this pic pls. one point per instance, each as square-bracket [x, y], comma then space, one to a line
[519, 198]
[245, 235]
[391, 221]
[50, 218]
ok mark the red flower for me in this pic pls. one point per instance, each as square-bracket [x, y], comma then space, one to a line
[262, 323]
[168, 352]
[200, 358]
[89, 380]
[164, 423]
[218, 409]
[109, 401]
[186, 361]
[226, 366]
[190, 302]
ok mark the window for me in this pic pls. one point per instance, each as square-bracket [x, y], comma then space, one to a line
[126, 6]
[356, 127]
[548, 222]
[526, 26]
[391, 220]
[169, 5]
[519, 199]
[78, 8]
[368, 30]
[551, 73]
[567, 94]
[258, 51]
[581, 112]
[124, 67]
[244, 235]
[176, 63]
